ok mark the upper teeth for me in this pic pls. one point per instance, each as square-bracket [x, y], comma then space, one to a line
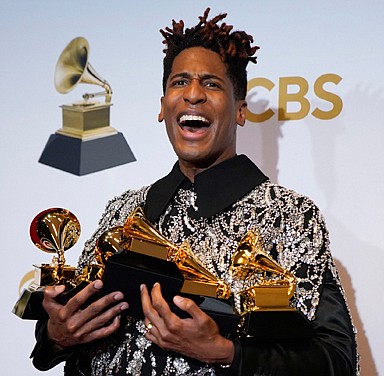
[185, 118]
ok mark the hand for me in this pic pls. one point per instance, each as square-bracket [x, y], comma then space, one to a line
[197, 337]
[69, 325]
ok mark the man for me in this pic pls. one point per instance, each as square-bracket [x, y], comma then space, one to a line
[212, 197]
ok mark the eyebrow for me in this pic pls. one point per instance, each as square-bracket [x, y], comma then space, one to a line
[203, 76]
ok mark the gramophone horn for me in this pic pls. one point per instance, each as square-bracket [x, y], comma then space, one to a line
[142, 237]
[251, 257]
[73, 68]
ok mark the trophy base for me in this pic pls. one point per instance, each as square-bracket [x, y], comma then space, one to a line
[81, 157]
[127, 270]
[276, 324]
[30, 305]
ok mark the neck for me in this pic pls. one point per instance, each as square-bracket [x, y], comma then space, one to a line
[191, 169]
[190, 172]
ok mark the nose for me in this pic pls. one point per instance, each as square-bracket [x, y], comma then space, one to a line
[194, 92]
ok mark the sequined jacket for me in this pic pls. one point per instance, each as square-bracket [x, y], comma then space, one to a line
[214, 213]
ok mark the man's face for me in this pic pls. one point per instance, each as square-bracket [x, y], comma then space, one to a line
[200, 109]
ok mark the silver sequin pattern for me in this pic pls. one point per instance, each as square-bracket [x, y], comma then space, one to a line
[293, 231]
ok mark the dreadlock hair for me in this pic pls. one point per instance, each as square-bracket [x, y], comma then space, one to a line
[234, 48]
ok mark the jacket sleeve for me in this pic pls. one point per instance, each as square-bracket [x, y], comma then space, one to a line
[331, 352]
[44, 356]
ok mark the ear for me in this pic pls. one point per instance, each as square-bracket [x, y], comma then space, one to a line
[241, 112]
[160, 117]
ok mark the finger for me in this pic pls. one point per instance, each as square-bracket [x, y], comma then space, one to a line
[159, 303]
[188, 306]
[165, 321]
[99, 312]
[151, 316]
[199, 317]
[103, 331]
[49, 301]
[149, 327]
[75, 303]
[155, 307]
[101, 323]
[51, 292]
[146, 303]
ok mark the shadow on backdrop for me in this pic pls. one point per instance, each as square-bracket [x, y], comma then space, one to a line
[328, 140]
[367, 363]
[260, 141]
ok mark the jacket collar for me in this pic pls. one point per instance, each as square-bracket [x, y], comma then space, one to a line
[217, 188]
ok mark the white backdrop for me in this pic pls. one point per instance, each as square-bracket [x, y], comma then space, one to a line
[337, 162]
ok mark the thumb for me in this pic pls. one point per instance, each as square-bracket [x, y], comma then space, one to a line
[187, 305]
[51, 292]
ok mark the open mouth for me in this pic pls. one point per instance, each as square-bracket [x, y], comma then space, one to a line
[194, 121]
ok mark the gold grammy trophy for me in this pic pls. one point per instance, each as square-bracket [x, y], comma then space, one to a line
[265, 310]
[271, 292]
[86, 142]
[127, 256]
[265, 306]
[146, 257]
[142, 237]
[53, 231]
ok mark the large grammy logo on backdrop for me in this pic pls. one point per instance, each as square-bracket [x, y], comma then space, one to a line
[86, 142]
[293, 91]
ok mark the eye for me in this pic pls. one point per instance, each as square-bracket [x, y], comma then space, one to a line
[212, 84]
[179, 83]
